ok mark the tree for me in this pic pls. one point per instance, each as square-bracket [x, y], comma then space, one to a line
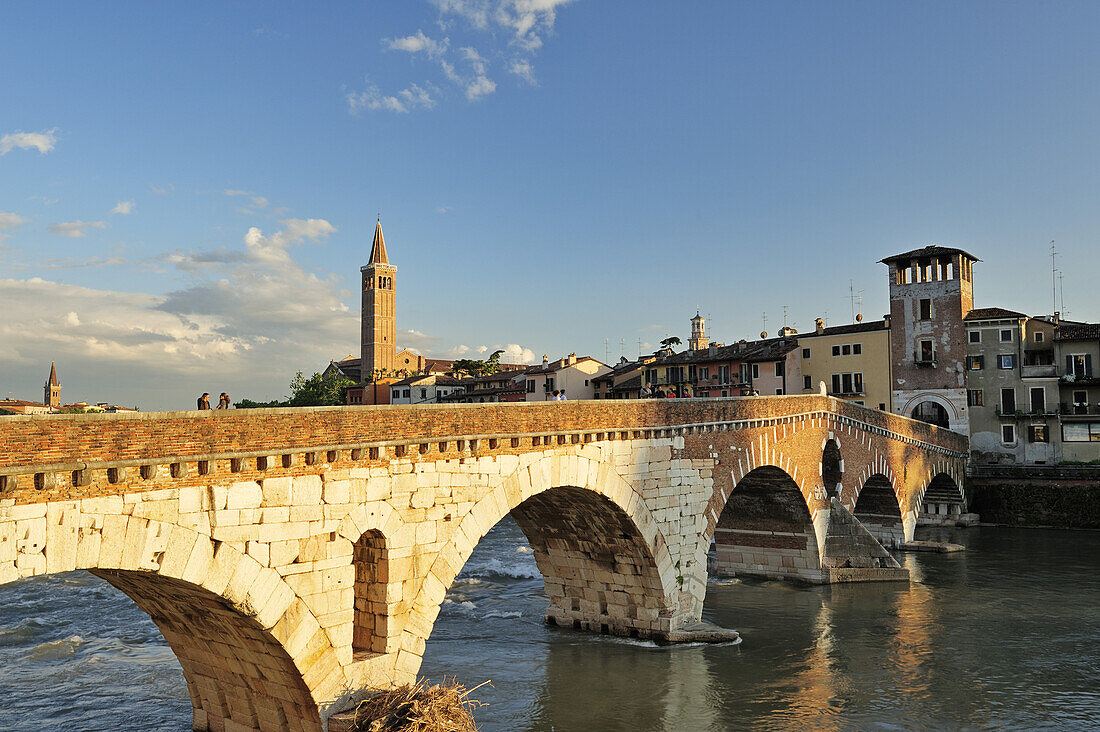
[670, 342]
[475, 367]
[315, 391]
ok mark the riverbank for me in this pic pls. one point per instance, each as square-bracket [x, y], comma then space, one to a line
[1036, 496]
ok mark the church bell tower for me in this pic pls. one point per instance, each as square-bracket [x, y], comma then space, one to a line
[52, 392]
[379, 310]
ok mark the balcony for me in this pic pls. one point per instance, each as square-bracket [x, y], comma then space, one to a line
[1078, 409]
[924, 360]
[1026, 414]
[1080, 377]
[1037, 371]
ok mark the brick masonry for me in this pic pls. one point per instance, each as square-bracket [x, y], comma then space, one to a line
[295, 558]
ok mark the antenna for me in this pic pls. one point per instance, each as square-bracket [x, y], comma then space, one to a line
[639, 348]
[764, 316]
[622, 347]
[605, 351]
[784, 316]
[1062, 293]
[1053, 286]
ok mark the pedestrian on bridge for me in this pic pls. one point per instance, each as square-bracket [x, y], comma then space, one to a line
[204, 400]
[223, 401]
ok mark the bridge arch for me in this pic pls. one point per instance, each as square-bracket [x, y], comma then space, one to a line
[941, 497]
[877, 507]
[582, 520]
[766, 529]
[252, 652]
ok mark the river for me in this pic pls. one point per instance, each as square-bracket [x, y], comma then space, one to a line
[1001, 636]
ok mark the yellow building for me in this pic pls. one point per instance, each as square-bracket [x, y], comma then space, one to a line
[852, 360]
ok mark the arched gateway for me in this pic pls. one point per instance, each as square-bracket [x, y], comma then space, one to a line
[296, 558]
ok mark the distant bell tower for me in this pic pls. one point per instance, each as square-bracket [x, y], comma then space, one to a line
[698, 340]
[52, 393]
[379, 310]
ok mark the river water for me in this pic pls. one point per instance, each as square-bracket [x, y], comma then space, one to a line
[1001, 636]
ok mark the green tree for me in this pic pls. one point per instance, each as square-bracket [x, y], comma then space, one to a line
[314, 391]
[476, 367]
[670, 342]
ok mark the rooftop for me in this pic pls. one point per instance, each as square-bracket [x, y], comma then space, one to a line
[993, 314]
[1082, 332]
[929, 252]
[846, 329]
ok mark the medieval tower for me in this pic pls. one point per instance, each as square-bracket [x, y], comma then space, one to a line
[52, 393]
[931, 291]
[379, 311]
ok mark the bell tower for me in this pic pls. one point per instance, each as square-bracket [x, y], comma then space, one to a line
[698, 340]
[52, 393]
[379, 310]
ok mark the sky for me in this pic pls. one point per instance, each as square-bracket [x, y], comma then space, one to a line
[188, 190]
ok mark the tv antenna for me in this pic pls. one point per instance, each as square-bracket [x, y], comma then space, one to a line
[1053, 274]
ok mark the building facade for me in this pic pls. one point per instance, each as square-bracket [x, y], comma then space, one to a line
[931, 291]
[574, 375]
[853, 361]
[1076, 352]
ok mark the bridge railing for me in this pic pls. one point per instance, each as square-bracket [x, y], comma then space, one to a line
[34, 450]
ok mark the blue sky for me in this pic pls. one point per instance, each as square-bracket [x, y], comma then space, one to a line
[187, 191]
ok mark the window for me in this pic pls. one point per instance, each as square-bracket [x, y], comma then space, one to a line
[742, 373]
[586, 382]
[927, 350]
[1006, 361]
[1008, 401]
[1037, 433]
[857, 349]
[651, 376]
[756, 371]
[724, 374]
[1081, 431]
[423, 393]
[530, 386]
[1080, 402]
[778, 392]
[846, 350]
[778, 368]
[975, 336]
[1079, 365]
[404, 393]
[925, 308]
[1038, 400]
[973, 397]
[1006, 335]
[704, 372]
[806, 382]
[836, 383]
[805, 353]
[675, 374]
[975, 363]
[396, 393]
[1039, 339]
[836, 350]
[1008, 433]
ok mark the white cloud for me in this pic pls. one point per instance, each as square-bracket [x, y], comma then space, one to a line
[257, 201]
[523, 69]
[406, 100]
[513, 352]
[480, 87]
[443, 209]
[9, 221]
[75, 228]
[42, 141]
[162, 190]
[418, 43]
[123, 207]
[529, 20]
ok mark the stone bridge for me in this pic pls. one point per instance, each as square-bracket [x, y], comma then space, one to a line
[294, 558]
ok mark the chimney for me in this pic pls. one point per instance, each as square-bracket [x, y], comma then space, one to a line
[886, 320]
[820, 326]
[572, 358]
[545, 361]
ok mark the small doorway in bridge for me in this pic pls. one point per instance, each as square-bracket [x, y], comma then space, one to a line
[878, 510]
[932, 413]
[832, 469]
[765, 530]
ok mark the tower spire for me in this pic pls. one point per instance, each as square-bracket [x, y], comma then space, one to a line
[378, 248]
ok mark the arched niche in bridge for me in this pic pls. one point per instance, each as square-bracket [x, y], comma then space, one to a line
[370, 557]
[766, 530]
[238, 674]
[878, 510]
[832, 471]
[942, 497]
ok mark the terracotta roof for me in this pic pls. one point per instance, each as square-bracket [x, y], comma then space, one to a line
[993, 314]
[378, 247]
[929, 252]
[629, 384]
[1083, 332]
[845, 329]
[556, 365]
[19, 403]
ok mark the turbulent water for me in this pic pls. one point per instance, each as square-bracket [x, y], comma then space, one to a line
[1001, 636]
